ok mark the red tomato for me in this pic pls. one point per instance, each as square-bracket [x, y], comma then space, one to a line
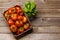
[12, 10]
[20, 30]
[13, 28]
[26, 26]
[18, 9]
[19, 23]
[10, 22]
[20, 17]
[24, 19]
[6, 14]
[14, 16]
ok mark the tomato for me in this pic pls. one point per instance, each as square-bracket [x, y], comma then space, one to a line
[12, 10]
[6, 15]
[19, 23]
[24, 19]
[18, 9]
[26, 26]
[20, 17]
[20, 30]
[10, 22]
[13, 28]
[14, 16]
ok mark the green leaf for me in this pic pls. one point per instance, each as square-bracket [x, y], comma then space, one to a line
[28, 5]
[33, 14]
[25, 9]
[33, 5]
[29, 15]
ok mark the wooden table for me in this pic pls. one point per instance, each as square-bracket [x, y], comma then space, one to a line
[45, 27]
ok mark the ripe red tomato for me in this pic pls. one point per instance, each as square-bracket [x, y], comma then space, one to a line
[14, 16]
[12, 10]
[18, 9]
[6, 14]
[13, 28]
[24, 19]
[10, 22]
[19, 23]
[20, 17]
[26, 26]
[20, 30]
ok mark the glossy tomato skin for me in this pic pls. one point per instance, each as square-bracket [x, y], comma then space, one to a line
[20, 30]
[26, 26]
[19, 23]
[18, 9]
[6, 14]
[10, 22]
[12, 10]
[13, 28]
[24, 19]
[14, 16]
[20, 17]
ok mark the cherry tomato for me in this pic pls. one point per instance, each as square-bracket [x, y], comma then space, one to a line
[24, 19]
[10, 22]
[26, 26]
[12, 10]
[14, 16]
[18, 9]
[13, 28]
[20, 17]
[20, 30]
[19, 23]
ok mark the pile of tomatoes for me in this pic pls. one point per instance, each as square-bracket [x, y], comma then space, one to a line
[16, 20]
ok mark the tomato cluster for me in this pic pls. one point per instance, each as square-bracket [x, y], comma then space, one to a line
[16, 20]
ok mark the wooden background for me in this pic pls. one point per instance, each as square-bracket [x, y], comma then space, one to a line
[46, 26]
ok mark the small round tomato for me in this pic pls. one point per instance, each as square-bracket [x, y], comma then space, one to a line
[24, 19]
[13, 28]
[20, 17]
[18, 9]
[20, 30]
[12, 10]
[6, 14]
[19, 23]
[26, 26]
[10, 22]
[14, 16]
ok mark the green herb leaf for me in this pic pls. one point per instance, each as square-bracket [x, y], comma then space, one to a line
[26, 10]
[29, 15]
[28, 5]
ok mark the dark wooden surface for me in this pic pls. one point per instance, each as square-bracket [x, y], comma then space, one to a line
[45, 27]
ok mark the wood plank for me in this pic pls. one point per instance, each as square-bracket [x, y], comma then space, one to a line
[3, 1]
[5, 30]
[42, 37]
[32, 37]
[38, 21]
[40, 4]
[7, 37]
[49, 29]
[36, 30]
[46, 21]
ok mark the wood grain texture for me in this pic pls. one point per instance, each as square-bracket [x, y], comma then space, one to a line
[45, 27]
[36, 30]
[32, 37]
[37, 21]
